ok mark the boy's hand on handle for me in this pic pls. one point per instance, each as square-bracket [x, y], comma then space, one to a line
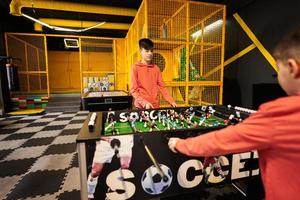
[148, 105]
[172, 143]
[173, 104]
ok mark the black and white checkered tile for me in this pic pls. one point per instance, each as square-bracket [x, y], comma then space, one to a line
[38, 158]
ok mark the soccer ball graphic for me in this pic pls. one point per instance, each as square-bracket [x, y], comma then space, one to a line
[153, 183]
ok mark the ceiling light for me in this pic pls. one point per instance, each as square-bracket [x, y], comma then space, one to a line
[58, 28]
[208, 28]
[71, 43]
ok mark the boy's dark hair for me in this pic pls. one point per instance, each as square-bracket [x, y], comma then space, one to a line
[146, 43]
[288, 46]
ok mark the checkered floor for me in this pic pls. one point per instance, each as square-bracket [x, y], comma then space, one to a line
[38, 158]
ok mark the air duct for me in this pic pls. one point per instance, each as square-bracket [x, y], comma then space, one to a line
[79, 24]
[17, 5]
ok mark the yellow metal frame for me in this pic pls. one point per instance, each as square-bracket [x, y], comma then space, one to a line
[27, 72]
[181, 21]
[46, 72]
[257, 43]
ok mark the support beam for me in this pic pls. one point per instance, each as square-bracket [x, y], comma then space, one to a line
[257, 43]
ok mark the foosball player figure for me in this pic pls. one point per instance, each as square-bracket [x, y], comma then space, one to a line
[159, 116]
[153, 125]
[186, 113]
[111, 121]
[181, 117]
[172, 113]
[174, 125]
[202, 120]
[142, 116]
[132, 124]
[238, 116]
[114, 131]
[191, 115]
[110, 117]
[229, 120]
[163, 118]
[182, 124]
[207, 115]
[131, 121]
[211, 111]
[195, 124]
[168, 123]
[213, 163]
[189, 122]
[176, 116]
[146, 120]
[229, 107]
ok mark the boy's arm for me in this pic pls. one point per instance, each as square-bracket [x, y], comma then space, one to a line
[162, 88]
[135, 90]
[251, 134]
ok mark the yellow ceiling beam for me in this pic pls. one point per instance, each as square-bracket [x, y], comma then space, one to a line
[80, 24]
[17, 5]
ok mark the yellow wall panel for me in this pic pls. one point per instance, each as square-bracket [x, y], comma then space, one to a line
[97, 61]
[64, 72]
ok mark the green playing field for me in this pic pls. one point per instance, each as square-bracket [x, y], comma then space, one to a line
[122, 128]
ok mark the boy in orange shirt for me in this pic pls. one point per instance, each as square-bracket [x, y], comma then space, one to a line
[274, 130]
[146, 80]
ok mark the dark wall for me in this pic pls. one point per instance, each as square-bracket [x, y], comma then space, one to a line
[8, 23]
[268, 20]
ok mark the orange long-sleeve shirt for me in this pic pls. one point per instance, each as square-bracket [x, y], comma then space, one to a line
[146, 81]
[274, 131]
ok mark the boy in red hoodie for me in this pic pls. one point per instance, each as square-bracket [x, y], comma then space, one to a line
[146, 80]
[274, 130]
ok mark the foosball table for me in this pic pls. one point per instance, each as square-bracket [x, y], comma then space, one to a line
[106, 100]
[124, 154]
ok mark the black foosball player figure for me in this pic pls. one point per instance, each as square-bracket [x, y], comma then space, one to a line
[176, 116]
[229, 120]
[105, 150]
[214, 163]
[209, 112]
[143, 116]
[112, 122]
[152, 125]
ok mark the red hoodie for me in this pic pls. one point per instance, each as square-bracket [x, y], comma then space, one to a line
[274, 131]
[146, 80]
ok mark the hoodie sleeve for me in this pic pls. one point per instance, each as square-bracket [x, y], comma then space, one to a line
[135, 89]
[162, 88]
[251, 134]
